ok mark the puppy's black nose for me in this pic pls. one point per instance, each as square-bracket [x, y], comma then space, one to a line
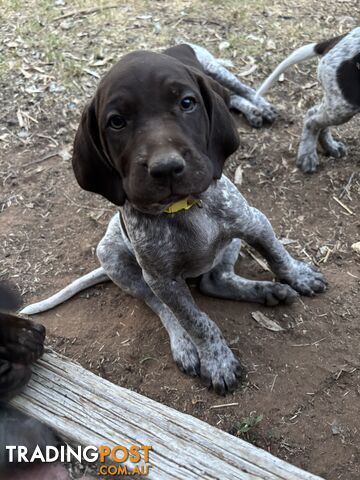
[167, 166]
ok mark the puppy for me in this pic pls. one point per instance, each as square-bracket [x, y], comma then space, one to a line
[339, 74]
[153, 141]
[21, 344]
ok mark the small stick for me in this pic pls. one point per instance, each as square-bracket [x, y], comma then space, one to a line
[273, 383]
[85, 11]
[347, 186]
[42, 159]
[343, 205]
[262, 264]
[224, 405]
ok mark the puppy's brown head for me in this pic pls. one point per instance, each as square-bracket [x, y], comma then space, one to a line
[156, 131]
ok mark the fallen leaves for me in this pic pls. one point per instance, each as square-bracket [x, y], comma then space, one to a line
[266, 322]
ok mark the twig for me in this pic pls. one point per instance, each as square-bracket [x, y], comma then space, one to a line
[224, 405]
[85, 207]
[85, 11]
[347, 186]
[42, 159]
[343, 205]
[262, 264]
[273, 383]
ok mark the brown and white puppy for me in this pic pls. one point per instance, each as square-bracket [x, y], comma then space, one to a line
[153, 141]
[339, 74]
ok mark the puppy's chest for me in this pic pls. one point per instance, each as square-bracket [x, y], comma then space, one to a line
[187, 245]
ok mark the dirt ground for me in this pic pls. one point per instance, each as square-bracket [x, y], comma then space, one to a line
[301, 398]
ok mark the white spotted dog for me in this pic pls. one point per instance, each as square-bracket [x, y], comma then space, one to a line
[339, 74]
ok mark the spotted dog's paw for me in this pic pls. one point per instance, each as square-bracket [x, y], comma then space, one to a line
[254, 117]
[271, 293]
[186, 355]
[267, 111]
[220, 369]
[306, 279]
[335, 149]
[308, 162]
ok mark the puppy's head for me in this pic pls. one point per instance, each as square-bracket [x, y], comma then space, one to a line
[155, 132]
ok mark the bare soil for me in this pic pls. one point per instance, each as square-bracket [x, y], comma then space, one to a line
[305, 381]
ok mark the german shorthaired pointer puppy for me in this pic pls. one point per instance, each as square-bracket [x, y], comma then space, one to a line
[153, 141]
[339, 74]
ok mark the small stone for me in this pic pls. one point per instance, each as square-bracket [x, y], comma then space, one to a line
[224, 45]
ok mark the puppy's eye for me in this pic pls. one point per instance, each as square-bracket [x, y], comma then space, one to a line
[117, 122]
[188, 104]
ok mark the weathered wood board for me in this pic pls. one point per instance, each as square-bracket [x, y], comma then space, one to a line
[88, 410]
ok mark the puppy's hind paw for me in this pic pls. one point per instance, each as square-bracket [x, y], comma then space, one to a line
[268, 112]
[254, 117]
[336, 149]
[275, 293]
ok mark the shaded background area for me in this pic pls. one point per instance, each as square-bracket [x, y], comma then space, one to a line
[300, 401]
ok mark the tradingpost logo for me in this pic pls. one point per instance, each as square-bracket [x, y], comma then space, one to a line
[116, 460]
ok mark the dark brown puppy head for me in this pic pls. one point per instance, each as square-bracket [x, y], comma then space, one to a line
[156, 131]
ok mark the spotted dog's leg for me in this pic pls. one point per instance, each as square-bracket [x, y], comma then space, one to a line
[222, 282]
[317, 121]
[251, 113]
[121, 266]
[307, 157]
[217, 71]
[331, 147]
[219, 367]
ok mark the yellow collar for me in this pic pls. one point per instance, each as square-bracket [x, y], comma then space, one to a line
[183, 204]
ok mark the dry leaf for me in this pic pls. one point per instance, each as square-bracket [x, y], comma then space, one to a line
[266, 322]
[356, 247]
[238, 178]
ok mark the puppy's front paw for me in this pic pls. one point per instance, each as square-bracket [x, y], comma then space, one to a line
[308, 162]
[186, 355]
[220, 369]
[306, 280]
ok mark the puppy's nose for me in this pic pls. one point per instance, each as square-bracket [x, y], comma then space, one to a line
[167, 166]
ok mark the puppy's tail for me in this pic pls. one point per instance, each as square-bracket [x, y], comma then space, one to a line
[299, 55]
[87, 281]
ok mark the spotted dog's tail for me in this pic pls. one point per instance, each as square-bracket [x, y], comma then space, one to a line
[303, 53]
[87, 281]
[299, 55]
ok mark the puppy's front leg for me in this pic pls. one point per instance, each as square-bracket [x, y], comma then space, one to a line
[218, 365]
[257, 231]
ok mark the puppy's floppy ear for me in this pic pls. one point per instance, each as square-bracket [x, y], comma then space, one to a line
[223, 135]
[92, 169]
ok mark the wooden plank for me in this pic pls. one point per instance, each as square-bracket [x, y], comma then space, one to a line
[88, 410]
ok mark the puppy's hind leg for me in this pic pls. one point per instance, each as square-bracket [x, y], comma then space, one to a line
[218, 72]
[251, 113]
[316, 127]
[331, 147]
[121, 266]
[222, 282]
